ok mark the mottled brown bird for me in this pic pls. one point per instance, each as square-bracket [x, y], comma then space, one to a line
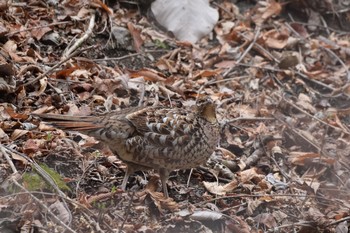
[157, 137]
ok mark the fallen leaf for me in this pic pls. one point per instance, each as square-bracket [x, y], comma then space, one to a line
[215, 188]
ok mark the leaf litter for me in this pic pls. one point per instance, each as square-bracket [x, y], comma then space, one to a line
[278, 72]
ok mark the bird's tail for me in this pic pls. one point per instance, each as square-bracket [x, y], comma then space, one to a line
[71, 123]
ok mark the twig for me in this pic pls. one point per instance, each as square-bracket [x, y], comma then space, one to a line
[302, 223]
[233, 16]
[296, 132]
[259, 47]
[261, 195]
[94, 223]
[44, 175]
[313, 117]
[303, 76]
[57, 65]
[283, 172]
[251, 119]
[48, 194]
[75, 203]
[37, 27]
[340, 61]
[189, 178]
[325, 24]
[117, 58]
[245, 52]
[8, 159]
[220, 81]
[102, 196]
[334, 45]
[57, 220]
[80, 41]
[317, 25]
[127, 212]
[257, 33]
[296, 33]
[47, 177]
[338, 221]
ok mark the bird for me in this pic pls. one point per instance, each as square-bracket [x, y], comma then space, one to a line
[159, 137]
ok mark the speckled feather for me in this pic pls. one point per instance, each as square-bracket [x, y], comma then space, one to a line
[160, 138]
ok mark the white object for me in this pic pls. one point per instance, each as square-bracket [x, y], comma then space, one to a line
[188, 20]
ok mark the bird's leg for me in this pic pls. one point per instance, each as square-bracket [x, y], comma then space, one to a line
[129, 170]
[164, 176]
[125, 181]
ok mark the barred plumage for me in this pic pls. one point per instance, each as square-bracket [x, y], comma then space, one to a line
[157, 137]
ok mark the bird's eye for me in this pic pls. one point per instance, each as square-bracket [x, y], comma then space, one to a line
[203, 100]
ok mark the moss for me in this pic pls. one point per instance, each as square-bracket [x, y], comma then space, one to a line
[160, 44]
[34, 182]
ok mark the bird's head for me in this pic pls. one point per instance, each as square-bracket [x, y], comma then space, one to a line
[207, 110]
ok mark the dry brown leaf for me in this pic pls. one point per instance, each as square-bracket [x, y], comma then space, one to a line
[264, 185]
[38, 33]
[206, 73]
[279, 216]
[100, 4]
[300, 29]
[226, 64]
[244, 110]
[313, 184]
[215, 188]
[224, 170]
[42, 109]
[80, 74]
[17, 133]
[261, 129]
[136, 35]
[304, 158]
[252, 205]
[7, 84]
[61, 211]
[266, 10]
[237, 224]
[44, 127]
[166, 92]
[149, 75]
[32, 145]
[305, 103]
[19, 158]
[166, 64]
[10, 46]
[17, 116]
[3, 136]
[249, 174]
[267, 219]
[315, 215]
[43, 85]
[228, 155]
[84, 95]
[73, 110]
[63, 74]
[158, 198]
[83, 199]
[340, 124]
[276, 39]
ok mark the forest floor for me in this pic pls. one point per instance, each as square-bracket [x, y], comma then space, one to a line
[277, 71]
